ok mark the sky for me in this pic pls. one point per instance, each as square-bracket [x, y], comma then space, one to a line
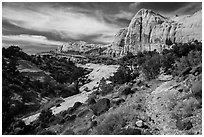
[41, 26]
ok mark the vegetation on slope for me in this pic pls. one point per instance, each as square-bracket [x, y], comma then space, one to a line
[22, 95]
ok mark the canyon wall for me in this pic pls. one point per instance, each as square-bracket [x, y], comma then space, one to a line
[151, 31]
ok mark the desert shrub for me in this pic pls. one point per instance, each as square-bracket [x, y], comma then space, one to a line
[189, 106]
[68, 132]
[123, 75]
[185, 108]
[180, 49]
[151, 67]
[184, 125]
[167, 62]
[127, 59]
[111, 124]
[104, 87]
[45, 117]
[197, 90]
[46, 132]
[194, 58]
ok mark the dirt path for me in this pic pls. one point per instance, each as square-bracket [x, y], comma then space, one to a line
[158, 108]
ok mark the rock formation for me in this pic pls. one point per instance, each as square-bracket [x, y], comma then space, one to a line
[149, 31]
[80, 46]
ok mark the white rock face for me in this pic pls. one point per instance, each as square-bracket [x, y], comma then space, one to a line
[148, 31]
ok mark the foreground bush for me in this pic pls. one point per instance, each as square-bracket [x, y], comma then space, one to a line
[151, 67]
[111, 124]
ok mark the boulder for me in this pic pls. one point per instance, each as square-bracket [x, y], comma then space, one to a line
[139, 123]
[117, 101]
[125, 90]
[91, 101]
[184, 124]
[70, 117]
[84, 113]
[71, 110]
[102, 105]
[77, 105]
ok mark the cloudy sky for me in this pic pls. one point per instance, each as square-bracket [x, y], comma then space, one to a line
[41, 26]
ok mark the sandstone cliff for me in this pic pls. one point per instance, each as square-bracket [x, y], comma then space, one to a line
[148, 31]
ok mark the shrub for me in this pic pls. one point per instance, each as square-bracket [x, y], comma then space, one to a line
[68, 132]
[151, 67]
[45, 117]
[123, 75]
[185, 108]
[167, 62]
[180, 49]
[46, 132]
[197, 90]
[194, 58]
[184, 125]
[111, 124]
[105, 88]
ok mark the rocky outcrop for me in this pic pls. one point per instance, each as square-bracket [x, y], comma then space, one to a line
[116, 47]
[80, 46]
[149, 31]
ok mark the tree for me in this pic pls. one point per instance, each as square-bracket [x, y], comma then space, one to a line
[45, 117]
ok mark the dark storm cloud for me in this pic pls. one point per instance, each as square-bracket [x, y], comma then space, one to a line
[169, 8]
[10, 29]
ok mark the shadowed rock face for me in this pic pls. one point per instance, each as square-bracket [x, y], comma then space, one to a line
[148, 31]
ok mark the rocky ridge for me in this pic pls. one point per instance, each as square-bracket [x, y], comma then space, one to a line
[149, 31]
[80, 46]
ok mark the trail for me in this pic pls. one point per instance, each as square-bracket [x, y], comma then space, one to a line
[158, 108]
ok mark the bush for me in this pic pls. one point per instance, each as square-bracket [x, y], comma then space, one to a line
[68, 132]
[105, 88]
[123, 75]
[167, 62]
[111, 124]
[151, 67]
[193, 59]
[185, 108]
[46, 132]
[45, 117]
[197, 90]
